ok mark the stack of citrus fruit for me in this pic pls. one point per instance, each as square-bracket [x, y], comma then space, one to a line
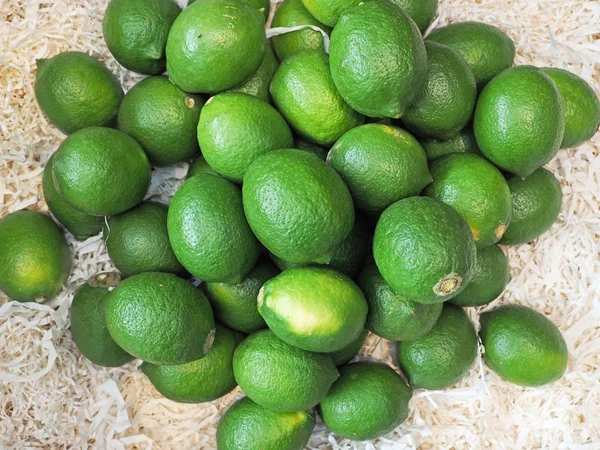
[371, 194]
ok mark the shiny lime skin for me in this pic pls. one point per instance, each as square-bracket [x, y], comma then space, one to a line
[79, 223]
[160, 318]
[366, 402]
[259, 83]
[279, 376]
[523, 346]
[446, 103]
[136, 33]
[249, 426]
[519, 120]
[443, 356]
[380, 164]
[304, 92]
[423, 262]
[477, 191]
[392, 316]
[215, 45]
[371, 32]
[463, 142]
[421, 11]
[536, 202]
[297, 206]
[329, 11]
[199, 166]
[264, 6]
[163, 119]
[310, 147]
[101, 171]
[88, 325]
[35, 259]
[487, 49]
[75, 91]
[490, 279]
[346, 354]
[235, 129]
[208, 231]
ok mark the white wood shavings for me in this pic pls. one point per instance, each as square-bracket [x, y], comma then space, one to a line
[52, 397]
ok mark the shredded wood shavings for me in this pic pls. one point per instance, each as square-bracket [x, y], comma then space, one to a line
[51, 396]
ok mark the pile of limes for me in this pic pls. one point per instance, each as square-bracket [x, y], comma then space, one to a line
[363, 188]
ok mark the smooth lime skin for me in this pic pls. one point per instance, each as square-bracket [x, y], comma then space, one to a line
[446, 103]
[422, 262]
[264, 6]
[477, 191]
[582, 106]
[88, 325]
[199, 166]
[235, 129]
[80, 224]
[249, 426]
[298, 207]
[235, 304]
[392, 316]
[215, 45]
[519, 120]
[421, 11]
[443, 356]
[523, 346]
[279, 376]
[203, 380]
[136, 33]
[160, 318]
[313, 308]
[380, 164]
[35, 259]
[487, 49]
[208, 231]
[310, 147]
[163, 119]
[293, 13]
[366, 402]
[259, 83]
[75, 91]
[304, 92]
[371, 32]
[346, 354]
[101, 171]
[329, 11]
[536, 202]
[463, 142]
[137, 241]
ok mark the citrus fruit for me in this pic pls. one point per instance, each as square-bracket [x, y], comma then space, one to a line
[421, 11]
[310, 147]
[258, 84]
[199, 166]
[264, 6]
[463, 142]
[329, 11]
[346, 354]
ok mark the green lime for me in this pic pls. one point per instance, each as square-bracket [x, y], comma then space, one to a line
[443, 356]
[421, 11]
[208, 231]
[203, 380]
[380, 164]
[392, 316]
[536, 202]
[423, 262]
[88, 325]
[366, 402]
[372, 82]
[35, 259]
[329, 11]
[346, 354]
[258, 84]
[464, 142]
[523, 346]
[292, 13]
[215, 45]
[297, 206]
[199, 166]
[520, 120]
[249, 426]
[313, 308]
[315, 149]
[81, 225]
[304, 92]
[76, 91]
[235, 304]
[160, 318]
[487, 49]
[163, 119]
[136, 33]
[490, 279]
[582, 107]
[477, 191]
[350, 256]
[264, 6]
[279, 376]
[446, 103]
[101, 171]
[235, 129]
